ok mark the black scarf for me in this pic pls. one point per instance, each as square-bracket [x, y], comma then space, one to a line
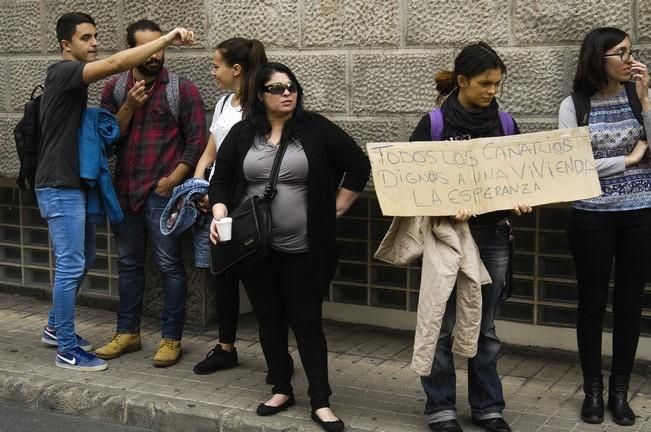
[464, 123]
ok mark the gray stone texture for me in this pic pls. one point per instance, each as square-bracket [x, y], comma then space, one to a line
[168, 14]
[644, 21]
[366, 131]
[8, 158]
[534, 85]
[196, 68]
[396, 83]
[104, 12]
[351, 23]
[21, 26]
[323, 78]
[442, 23]
[274, 22]
[545, 22]
[25, 74]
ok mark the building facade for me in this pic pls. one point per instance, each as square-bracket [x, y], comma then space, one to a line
[369, 66]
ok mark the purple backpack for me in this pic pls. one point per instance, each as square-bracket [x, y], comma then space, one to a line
[436, 121]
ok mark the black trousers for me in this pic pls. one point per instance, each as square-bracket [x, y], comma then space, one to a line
[283, 293]
[595, 239]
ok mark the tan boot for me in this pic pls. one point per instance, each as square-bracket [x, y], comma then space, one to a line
[121, 343]
[168, 354]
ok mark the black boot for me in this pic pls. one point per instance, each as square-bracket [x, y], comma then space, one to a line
[592, 410]
[622, 413]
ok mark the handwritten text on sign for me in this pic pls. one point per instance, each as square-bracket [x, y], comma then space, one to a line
[440, 177]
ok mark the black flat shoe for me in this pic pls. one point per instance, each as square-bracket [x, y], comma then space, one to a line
[445, 426]
[329, 426]
[497, 424]
[267, 410]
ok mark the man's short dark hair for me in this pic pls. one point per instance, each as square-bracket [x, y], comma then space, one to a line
[67, 25]
[141, 25]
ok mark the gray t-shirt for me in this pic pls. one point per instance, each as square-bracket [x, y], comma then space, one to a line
[289, 206]
[64, 100]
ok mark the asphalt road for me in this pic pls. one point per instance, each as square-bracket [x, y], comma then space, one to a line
[17, 419]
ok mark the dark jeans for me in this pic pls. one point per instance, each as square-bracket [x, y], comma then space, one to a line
[484, 385]
[282, 292]
[131, 241]
[595, 239]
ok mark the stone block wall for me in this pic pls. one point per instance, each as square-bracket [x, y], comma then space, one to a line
[367, 64]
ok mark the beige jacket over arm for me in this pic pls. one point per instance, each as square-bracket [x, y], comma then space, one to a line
[450, 256]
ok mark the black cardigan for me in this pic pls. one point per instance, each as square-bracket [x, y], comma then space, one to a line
[331, 154]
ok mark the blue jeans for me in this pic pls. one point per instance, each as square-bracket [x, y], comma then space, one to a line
[131, 240]
[74, 252]
[484, 385]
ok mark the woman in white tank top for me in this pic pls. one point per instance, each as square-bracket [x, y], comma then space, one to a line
[234, 65]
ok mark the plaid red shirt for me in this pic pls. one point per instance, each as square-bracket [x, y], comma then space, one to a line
[155, 142]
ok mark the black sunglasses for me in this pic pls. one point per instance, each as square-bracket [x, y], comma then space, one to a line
[279, 88]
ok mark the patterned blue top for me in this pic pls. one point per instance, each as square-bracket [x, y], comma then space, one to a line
[614, 131]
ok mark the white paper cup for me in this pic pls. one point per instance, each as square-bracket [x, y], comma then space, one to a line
[224, 226]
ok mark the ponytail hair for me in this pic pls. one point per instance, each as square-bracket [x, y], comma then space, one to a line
[250, 55]
[473, 60]
[444, 84]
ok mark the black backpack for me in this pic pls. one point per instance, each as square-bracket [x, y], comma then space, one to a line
[28, 140]
[582, 106]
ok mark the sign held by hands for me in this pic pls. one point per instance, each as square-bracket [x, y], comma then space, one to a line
[438, 178]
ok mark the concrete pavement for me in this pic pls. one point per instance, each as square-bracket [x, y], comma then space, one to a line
[373, 387]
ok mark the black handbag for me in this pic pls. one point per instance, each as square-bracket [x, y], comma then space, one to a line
[251, 229]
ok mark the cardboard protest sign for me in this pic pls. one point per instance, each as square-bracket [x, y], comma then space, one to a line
[438, 178]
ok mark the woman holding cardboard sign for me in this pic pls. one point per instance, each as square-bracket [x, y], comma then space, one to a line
[611, 96]
[469, 110]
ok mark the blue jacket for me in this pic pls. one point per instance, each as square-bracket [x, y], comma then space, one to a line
[181, 213]
[98, 130]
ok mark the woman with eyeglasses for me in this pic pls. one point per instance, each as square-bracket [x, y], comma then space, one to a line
[616, 224]
[288, 286]
[234, 64]
[469, 110]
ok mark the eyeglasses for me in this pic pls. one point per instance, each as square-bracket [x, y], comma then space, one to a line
[279, 88]
[624, 55]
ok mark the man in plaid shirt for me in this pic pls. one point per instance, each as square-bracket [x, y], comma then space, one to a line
[163, 124]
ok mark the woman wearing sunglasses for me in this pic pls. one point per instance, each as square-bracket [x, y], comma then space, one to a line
[234, 65]
[469, 110]
[616, 224]
[288, 286]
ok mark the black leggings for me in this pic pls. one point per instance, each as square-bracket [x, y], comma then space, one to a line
[228, 305]
[282, 294]
[595, 239]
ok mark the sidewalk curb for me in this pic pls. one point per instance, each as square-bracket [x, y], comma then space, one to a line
[126, 407]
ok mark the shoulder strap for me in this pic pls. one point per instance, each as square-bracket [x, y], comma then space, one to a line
[508, 124]
[172, 93]
[436, 124]
[226, 98]
[581, 109]
[270, 189]
[120, 89]
[634, 102]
